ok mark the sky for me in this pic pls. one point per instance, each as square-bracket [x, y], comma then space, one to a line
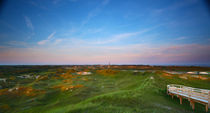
[58, 32]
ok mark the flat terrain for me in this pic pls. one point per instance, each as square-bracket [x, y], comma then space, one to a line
[57, 89]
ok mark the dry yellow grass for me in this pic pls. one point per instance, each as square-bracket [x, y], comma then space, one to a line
[19, 91]
[107, 72]
[67, 87]
[68, 81]
[67, 76]
[4, 107]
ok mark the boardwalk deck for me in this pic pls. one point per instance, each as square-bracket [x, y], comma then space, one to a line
[192, 94]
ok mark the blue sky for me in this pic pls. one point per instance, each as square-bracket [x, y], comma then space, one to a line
[99, 31]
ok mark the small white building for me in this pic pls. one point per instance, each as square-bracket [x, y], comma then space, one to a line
[203, 73]
[192, 72]
[198, 73]
[84, 73]
[174, 72]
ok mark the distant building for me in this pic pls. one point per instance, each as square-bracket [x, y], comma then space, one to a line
[198, 73]
[84, 73]
[174, 72]
[203, 73]
[193, 72]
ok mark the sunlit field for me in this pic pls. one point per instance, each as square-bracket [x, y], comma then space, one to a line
[96, 89]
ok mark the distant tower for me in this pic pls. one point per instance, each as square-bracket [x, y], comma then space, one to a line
[75, 67]
[109, 65]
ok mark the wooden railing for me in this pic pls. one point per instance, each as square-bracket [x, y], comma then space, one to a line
[192, 94]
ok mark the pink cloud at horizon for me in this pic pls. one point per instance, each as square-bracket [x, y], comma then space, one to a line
[138, 54]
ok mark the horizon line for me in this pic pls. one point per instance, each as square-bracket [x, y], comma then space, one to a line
[200, 65]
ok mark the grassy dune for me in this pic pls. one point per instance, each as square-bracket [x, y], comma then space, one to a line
[118, 92]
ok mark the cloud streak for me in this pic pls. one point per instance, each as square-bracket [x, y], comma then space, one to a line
[118, 37]
[58, 41]
[94, 12]
[175, 6]
[105, 2]
[29, 23]
[181, 38]
[42, 42]
[17, 43]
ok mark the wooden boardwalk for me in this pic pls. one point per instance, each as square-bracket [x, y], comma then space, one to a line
[192, 94]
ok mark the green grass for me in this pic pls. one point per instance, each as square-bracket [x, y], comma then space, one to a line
[123, 92]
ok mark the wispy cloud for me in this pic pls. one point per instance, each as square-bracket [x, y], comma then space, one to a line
[57, 41]
[99, 40]
[175, 6]
[36, 4]
[29, 23]
[94, 12]
[30, 35]
[51, 35]
[97, 30]
[3, 47]
[119, 37]
[56, 1]
[11, 27]
[181, 38]
[42, 42]
[105, 2]
[17, 43]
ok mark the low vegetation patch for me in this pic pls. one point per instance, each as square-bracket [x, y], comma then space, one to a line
[67, 87]
[19, 91]
[107, 72]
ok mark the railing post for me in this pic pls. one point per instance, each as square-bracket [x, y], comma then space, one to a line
[192, 103]
[180, 99]
[167, 89]
[190, 92]
[209, 99]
